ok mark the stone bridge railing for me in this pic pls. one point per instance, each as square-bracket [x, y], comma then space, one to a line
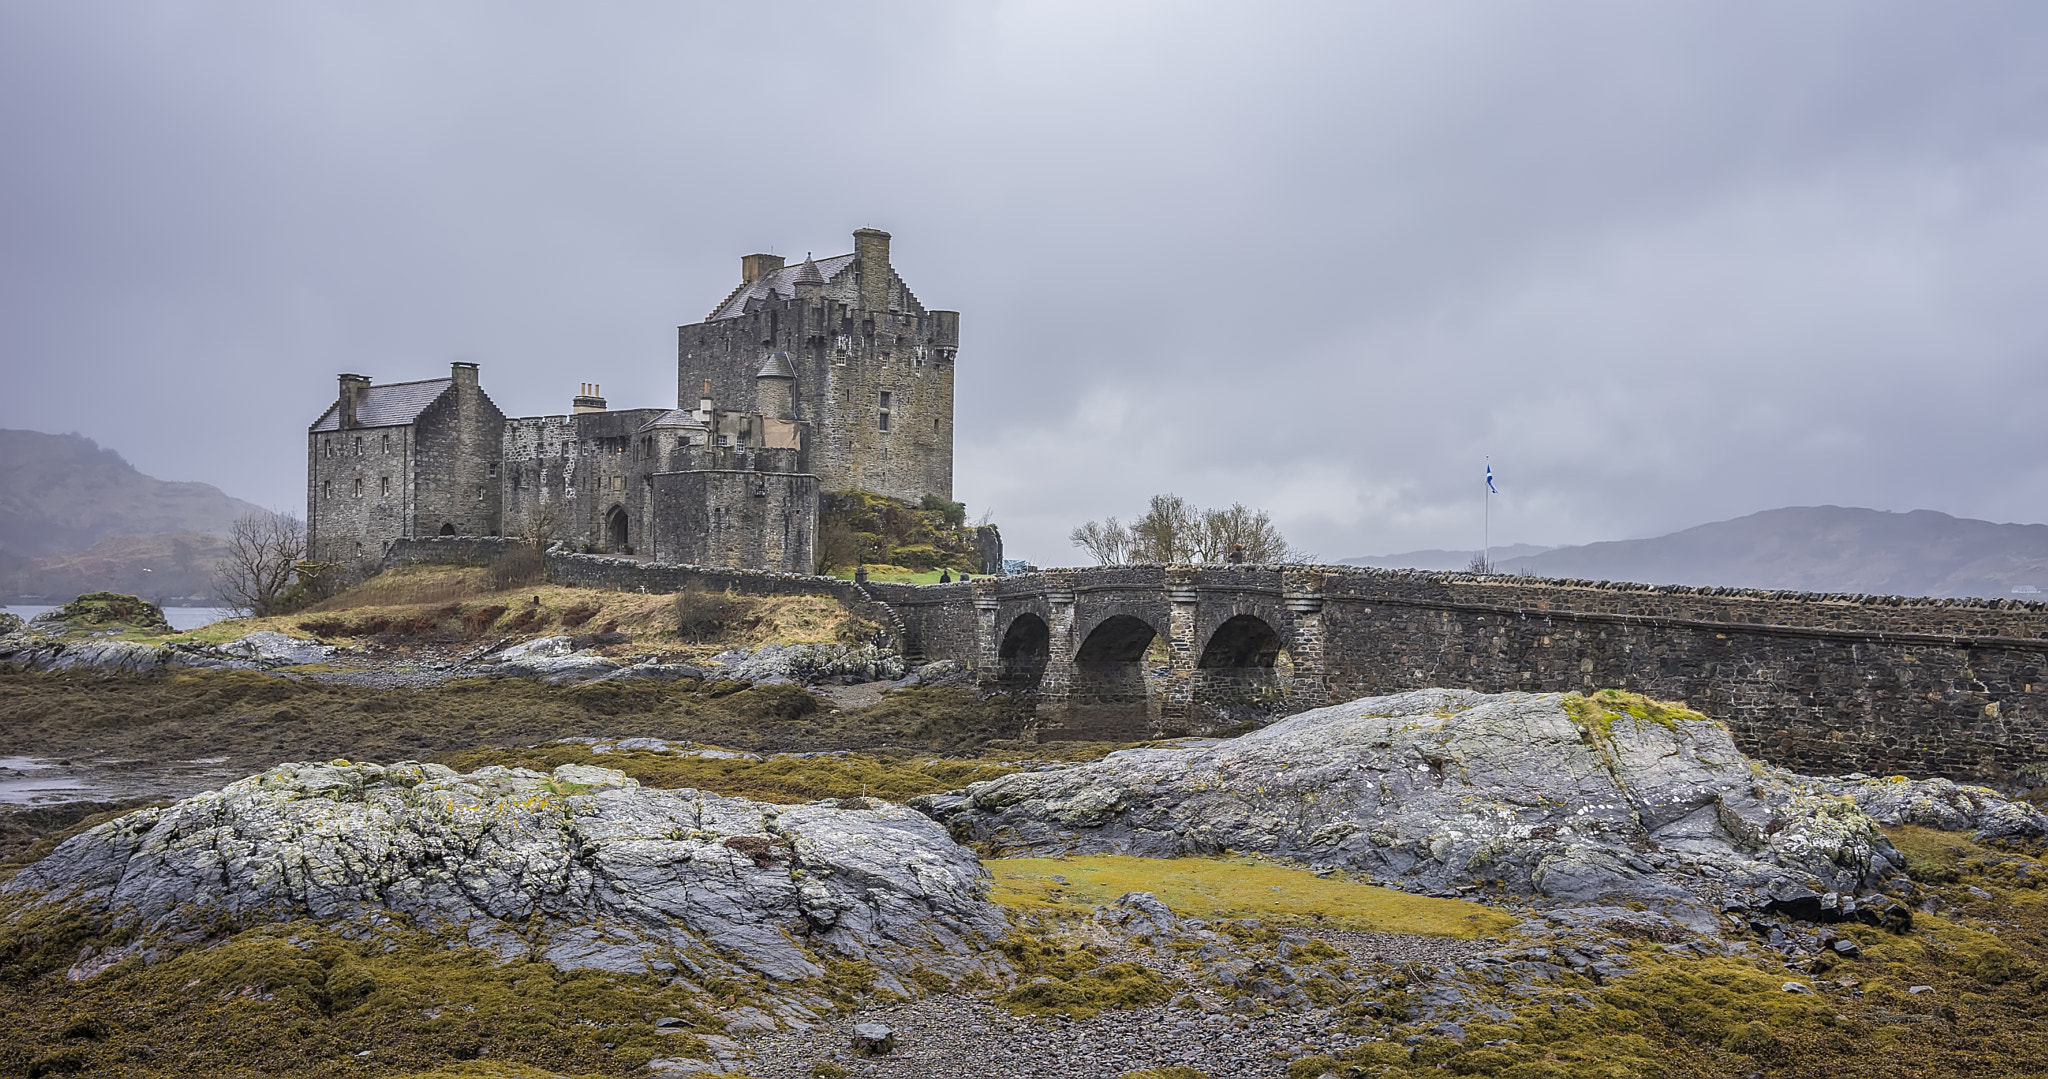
[1818, 682]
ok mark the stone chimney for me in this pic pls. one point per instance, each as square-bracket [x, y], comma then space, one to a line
[871, 254]
[588, 400]
[352, 387]
[704, 402]
[755, 267]
[464, 375]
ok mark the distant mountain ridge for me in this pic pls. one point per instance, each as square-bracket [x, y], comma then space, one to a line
[77, 517]
[1810, 549]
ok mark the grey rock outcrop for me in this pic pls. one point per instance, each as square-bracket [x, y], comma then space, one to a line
[1941, 804]
[273, 649]
[34, 650]
[554, 660]
[584, 866]
[1448, 790]
[806, 664]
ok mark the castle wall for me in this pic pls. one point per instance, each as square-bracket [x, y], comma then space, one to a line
[458, 442]
[358, 492]
[725, 517]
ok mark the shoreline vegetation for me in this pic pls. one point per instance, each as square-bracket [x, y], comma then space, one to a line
[1964, 992]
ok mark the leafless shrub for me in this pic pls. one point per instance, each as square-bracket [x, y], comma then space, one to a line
[256, 575]
[702, 614]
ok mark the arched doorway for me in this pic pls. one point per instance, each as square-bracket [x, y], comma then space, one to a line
[447, 529]
[1237, 678]
[616, 536]
[1108, 698]
[1026, 647]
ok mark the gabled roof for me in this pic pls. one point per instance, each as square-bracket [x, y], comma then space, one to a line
[780, 284]
[387, 406]
[776, 367]
[675, 417]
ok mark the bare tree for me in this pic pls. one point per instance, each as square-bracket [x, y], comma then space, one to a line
[1170, 531]
[1253, 534]
[1108, 542]
[1174, 530]
[264, 550]
[542, 522]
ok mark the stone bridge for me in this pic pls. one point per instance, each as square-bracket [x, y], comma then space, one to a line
[1825, 683]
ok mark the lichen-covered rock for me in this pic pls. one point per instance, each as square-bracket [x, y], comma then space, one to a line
[584, 867]
[273, 649]
[554, 660]
[1442, 790]
[805, 664]
[1942, 804]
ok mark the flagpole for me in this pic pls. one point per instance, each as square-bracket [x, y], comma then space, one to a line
[1486, 519]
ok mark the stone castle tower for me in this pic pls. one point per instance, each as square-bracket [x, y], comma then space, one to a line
[873, 369]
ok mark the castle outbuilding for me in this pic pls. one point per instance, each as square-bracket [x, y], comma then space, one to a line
[807, 380]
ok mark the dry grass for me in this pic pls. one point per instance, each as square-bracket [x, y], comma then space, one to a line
[452, 598]
[1211, 888]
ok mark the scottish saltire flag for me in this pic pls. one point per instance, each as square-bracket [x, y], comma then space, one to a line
[1490, 488]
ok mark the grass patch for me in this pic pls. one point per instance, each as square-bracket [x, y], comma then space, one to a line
[1212, 888]
[1056, 979]
[1596, 712]
[778, 779]
[299, 1000]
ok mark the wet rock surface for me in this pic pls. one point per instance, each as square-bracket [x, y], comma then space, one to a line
[584, 866]
[1459, 793]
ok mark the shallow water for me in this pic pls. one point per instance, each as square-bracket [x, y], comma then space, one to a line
[27, 781]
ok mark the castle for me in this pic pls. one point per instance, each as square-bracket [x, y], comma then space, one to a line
[806, 380]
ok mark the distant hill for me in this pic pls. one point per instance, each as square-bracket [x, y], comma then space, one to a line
[1440, 559]
[1816, 549]
[76, 517]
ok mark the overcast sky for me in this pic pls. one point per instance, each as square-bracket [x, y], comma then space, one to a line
[1667, 263]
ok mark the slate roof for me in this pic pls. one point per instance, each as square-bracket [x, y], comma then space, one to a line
[776, 367]
[675, 417]
[387, 406]
[780, 285]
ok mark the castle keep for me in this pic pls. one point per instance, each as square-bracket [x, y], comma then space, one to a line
[806, 380]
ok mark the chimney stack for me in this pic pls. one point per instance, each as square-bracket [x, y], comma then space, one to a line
[589, 399]
[464, 375]
[352, 387]
[704, 402]
[871, 254]
[755, 267]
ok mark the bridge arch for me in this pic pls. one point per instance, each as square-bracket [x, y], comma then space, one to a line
[1238, 676]
[1025, 650]
[1108, 696]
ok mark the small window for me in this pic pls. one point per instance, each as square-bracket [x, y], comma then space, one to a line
[384, 486]
[493, 469]
[387, 443]
[359, 445]
[326, 447]
[885, 421]
[359, 488]
[886, 397]
[326, 490]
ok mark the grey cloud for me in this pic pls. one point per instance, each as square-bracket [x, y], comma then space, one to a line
[1665, 263]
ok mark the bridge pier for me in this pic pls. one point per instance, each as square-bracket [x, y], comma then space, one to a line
[1056, 685]
[1183, 649]
[1303, 598]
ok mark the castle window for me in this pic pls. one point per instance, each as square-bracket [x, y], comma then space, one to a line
[493, 469]
[384, 484]
[326, 447]
[885, 421]
[359, 488]
[387, 443]
[326, 490]
[359, 445]
[886, 397]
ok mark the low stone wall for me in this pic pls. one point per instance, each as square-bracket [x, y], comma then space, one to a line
[448, 551]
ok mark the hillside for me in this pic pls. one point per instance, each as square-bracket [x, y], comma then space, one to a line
[76, 517]
[1809, 548]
